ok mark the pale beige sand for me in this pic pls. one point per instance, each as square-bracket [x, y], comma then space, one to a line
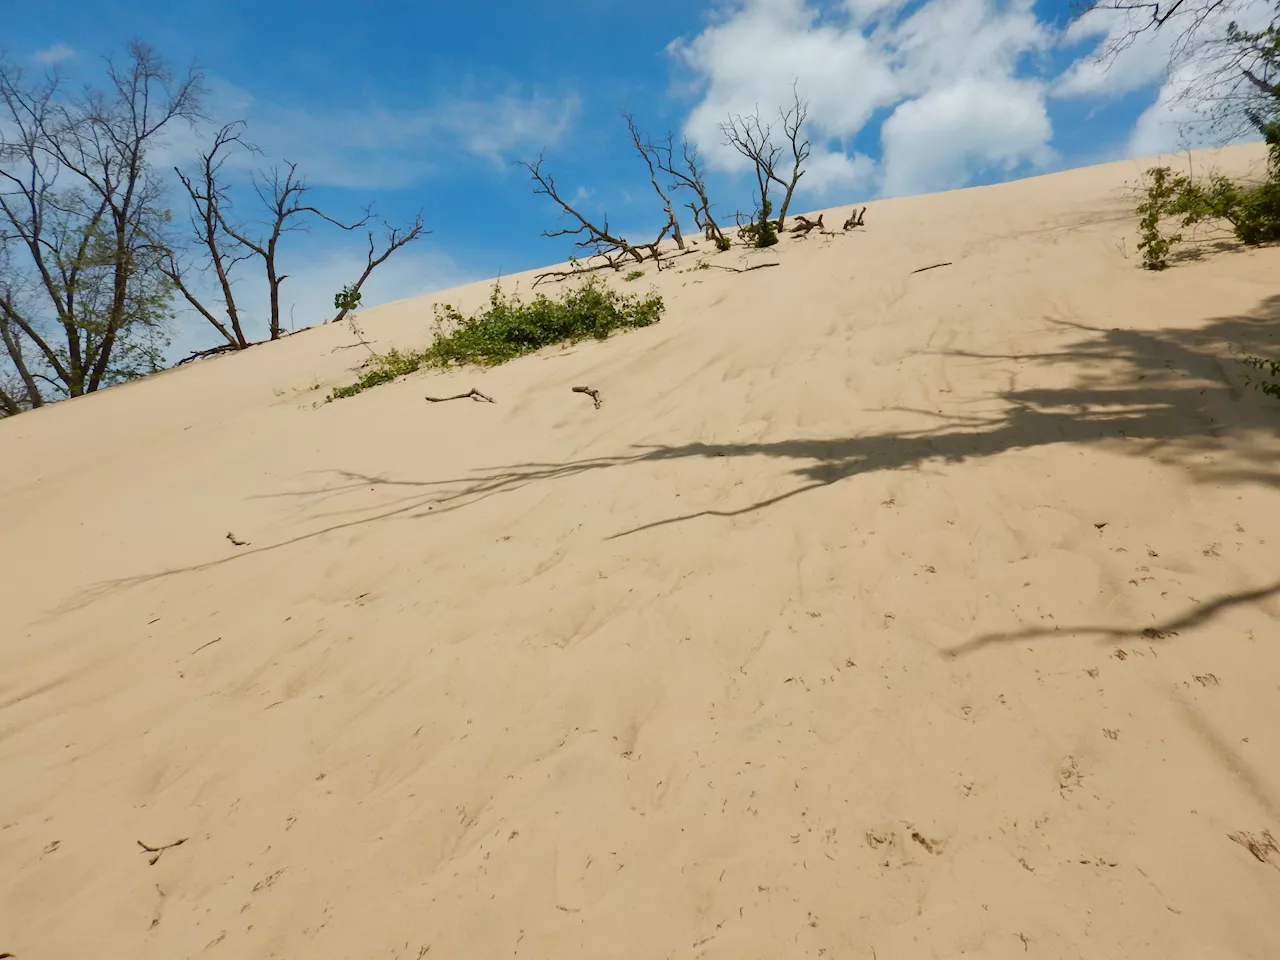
[811, 642]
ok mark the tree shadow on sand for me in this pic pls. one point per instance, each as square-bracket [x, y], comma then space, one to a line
[1176, 395]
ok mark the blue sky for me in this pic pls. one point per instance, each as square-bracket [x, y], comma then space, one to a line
[426, 104]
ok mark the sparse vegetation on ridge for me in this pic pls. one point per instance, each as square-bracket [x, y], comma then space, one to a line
[508, 328]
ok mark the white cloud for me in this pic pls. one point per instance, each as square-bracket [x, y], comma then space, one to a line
[940, 66]
[940, 140]
[54, 54]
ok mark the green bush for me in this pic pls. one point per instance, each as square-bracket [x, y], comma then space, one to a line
[1252, 210]
[761, 232]
[509, 328]
[634, 275]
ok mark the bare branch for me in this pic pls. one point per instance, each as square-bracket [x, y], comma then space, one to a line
[598, 240]
[395, 238]
[652, 154]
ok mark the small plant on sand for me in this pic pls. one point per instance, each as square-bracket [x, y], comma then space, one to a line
[634, 275]
[509, 328]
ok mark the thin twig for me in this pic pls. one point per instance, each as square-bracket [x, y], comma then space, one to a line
[203, 645]
[239, 543]
[755, 266]
[932, 267]
[593, 394]
[473, 393]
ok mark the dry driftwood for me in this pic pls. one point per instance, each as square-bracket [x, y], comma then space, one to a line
[157, 851]
[473, 393]
[855, 219]
[804, 225]
[593, 394]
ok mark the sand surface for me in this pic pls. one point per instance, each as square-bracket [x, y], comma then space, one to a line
[875, 614]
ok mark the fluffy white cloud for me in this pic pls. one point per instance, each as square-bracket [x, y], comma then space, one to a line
[940, 140]
[940, 66]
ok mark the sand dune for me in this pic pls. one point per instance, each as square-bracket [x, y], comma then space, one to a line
[875, 614]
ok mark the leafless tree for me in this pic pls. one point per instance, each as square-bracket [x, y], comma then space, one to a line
[690, 177]
[793, 119]
[82, 296]
[753, 139]
[224, 243]
[652, 154]
[208, 201]
[1230, 73]
[598, 241]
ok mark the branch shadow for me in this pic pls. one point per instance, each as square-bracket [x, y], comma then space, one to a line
[1174, 394]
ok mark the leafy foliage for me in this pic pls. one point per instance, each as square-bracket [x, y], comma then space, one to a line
[1269, 382]
[1253, 211]
[509, 328]
[634, 275]
[348, 298]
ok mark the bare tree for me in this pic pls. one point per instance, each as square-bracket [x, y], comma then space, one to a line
[79, 215]
[651, 153]
[598, 241]
[208, 201]
[753, 140]
[690, 177]
[282, 195]
[224, 243]
[793, 119]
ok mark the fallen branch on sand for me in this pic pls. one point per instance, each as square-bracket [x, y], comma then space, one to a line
[754, 266]
[855, 219]
[593, 394]
[157, 851]
[473, 393]
[239, 543]
[932, 267]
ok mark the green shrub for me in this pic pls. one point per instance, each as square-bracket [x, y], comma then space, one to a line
[761, 232]
[634, 275]
[1252, 211]
[509, 328]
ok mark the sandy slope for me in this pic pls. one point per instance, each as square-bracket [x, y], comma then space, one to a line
[875, 614]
